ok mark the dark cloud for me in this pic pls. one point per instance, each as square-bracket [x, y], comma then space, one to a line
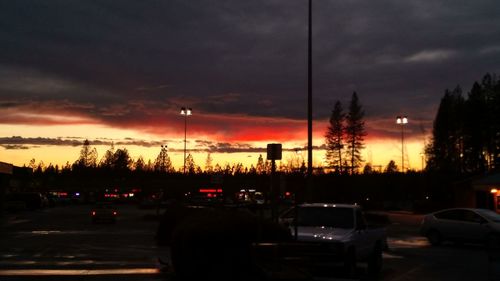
[14, 147]
[17, 142]
[223, 147]
[131, 61]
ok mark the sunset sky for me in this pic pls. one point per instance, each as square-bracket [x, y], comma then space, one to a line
[119, 72]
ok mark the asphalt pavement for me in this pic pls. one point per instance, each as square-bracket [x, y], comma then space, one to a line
[62, 244]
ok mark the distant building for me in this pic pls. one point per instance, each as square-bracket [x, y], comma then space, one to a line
[487, 192]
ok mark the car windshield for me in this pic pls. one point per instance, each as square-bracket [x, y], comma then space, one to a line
[490, 215]
[328, 217]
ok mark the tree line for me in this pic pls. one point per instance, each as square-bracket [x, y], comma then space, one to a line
[119, 160]
[466, 130]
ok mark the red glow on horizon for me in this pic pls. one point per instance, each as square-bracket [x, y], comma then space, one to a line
[217, 127]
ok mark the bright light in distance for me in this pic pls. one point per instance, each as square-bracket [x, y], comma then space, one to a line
[210, 190]
[494, 190]
[186, 111]
[93, 213]
[402, 120]
[77, 194]
[130, 195]
[114, 213]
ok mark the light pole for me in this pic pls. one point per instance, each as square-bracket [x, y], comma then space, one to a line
[309, 93]
[402, 120]
[186, 111]
[307, 194]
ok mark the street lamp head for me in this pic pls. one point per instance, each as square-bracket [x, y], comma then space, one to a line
[186, 111]
[401, 120]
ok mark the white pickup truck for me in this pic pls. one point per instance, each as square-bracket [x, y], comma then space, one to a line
[336, 233]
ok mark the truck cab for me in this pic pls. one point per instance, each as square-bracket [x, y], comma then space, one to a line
[341, 230]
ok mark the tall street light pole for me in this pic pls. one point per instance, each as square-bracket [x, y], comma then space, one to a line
[309, 100]
[402, 120]
[186, 112]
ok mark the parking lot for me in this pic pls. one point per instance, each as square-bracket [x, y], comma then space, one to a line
[61, 242]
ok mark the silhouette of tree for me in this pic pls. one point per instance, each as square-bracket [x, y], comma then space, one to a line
[139, 165]
[208, 164]
[293, 163]
[303, 167]
[51, 170]
[107, 159]
[252, 170]
[334, 138]
[121, 160]
[190, 165]
[482, 128]
[446, 149]
[217, 169]
[267, 167]
[88, 156]
[40, 167]
[149, 166]
[118, 160]
[466, 133]
[495, 120]
[32, 164]
[476, 127]
[368, 169]
[261, 166]
[238, 169]
[163, 162]
[66, 168]
[355, 133]
[391, 167]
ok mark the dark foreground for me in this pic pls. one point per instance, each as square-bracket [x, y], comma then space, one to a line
[62, 244]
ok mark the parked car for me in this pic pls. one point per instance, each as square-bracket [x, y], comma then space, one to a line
[339, 232]
[104, 212]
[461, 225]
[24, 200]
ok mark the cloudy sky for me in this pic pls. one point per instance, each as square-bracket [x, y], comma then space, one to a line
[119, 71]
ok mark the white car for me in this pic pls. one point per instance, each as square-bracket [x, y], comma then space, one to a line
[339, 230]
[461, 225]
